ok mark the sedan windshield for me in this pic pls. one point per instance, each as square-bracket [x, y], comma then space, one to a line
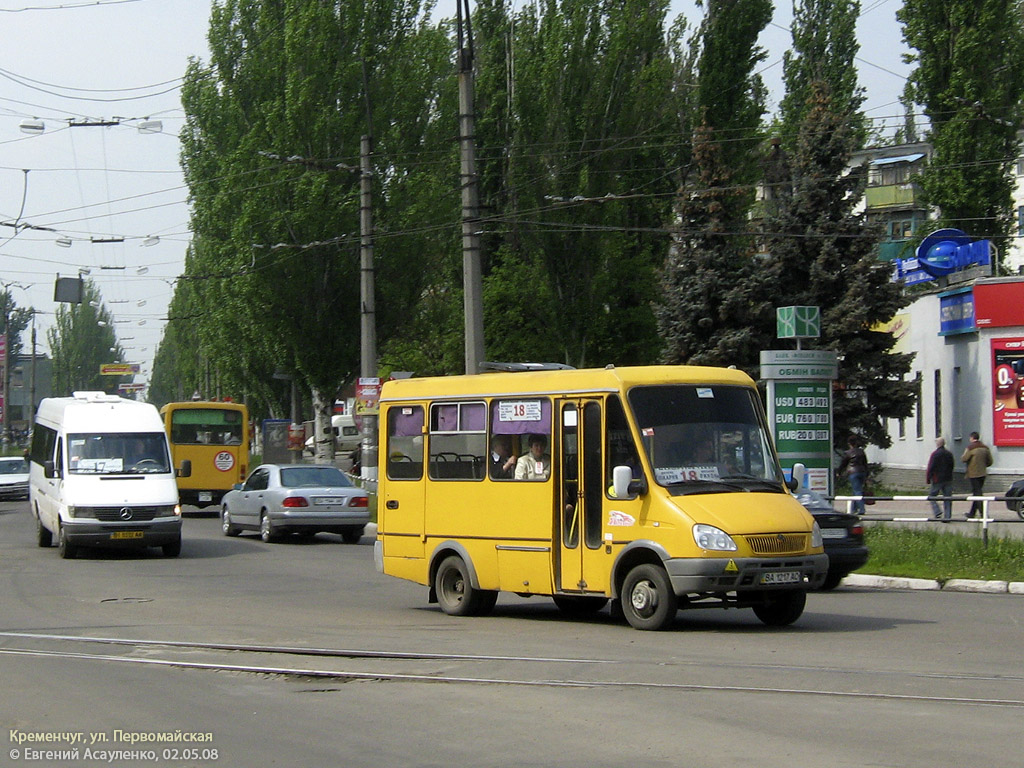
[313, 477]
[118, 453]
[705, 439]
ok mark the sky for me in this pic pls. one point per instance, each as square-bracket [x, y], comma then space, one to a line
[110, 199]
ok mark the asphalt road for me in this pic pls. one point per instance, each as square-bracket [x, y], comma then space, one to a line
[300, 654]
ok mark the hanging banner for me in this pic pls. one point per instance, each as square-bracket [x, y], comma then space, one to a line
[119, 369]
[1008, 391]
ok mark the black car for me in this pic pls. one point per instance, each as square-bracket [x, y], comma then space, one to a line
[1016, 504]
[841, 533]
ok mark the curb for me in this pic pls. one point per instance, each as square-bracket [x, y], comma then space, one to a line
[953, 585]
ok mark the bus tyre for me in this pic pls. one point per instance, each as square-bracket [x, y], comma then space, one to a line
[43, 536]
[781, 609]
[647, 599]
[67, 550]
[455, 594]
[579, 606]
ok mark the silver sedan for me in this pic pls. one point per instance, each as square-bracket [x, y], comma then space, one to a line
[278, 499]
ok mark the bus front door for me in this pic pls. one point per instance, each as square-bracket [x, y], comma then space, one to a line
[584, 566]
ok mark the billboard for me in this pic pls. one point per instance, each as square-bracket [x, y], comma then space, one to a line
[1008, 391]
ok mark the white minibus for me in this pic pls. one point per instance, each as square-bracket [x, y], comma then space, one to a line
[100, 475]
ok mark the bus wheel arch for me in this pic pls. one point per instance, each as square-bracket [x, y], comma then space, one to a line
[454, 584]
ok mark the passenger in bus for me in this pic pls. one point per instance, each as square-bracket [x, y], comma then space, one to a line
[535, 465]
[503, 461]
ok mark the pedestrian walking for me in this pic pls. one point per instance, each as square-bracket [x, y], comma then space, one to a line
[978, 459]
[855, 464]
[939, 476]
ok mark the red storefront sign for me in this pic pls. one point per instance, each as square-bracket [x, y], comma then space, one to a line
[999, 305]
[1008, 391]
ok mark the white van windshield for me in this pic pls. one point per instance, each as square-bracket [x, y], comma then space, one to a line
[118, 453]
[705, 439]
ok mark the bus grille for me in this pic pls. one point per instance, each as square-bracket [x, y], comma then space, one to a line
[778, 543]
[117, 514]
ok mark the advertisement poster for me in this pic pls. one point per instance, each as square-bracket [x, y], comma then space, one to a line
[1008, 391]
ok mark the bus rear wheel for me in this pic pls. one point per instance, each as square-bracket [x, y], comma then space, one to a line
[456, 595]
[647, 599]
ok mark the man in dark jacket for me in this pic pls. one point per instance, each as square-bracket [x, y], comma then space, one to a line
[939, 475]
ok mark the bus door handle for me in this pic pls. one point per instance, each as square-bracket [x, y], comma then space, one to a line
[391, 504]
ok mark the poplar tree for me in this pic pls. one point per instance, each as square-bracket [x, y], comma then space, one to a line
[969, 78]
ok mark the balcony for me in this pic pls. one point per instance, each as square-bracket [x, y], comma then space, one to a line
[894, 249]
[905, 195]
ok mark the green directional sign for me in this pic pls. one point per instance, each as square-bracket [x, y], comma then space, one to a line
[798, 322]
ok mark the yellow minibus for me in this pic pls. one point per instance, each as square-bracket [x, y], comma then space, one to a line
[657, 488]
[214, 436]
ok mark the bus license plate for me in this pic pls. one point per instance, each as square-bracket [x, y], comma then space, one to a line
[783, 577]
[205, 496]
[126, 535]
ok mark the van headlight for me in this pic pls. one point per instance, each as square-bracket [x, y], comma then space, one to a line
[816, 535]
[177, 513]
[709, 537]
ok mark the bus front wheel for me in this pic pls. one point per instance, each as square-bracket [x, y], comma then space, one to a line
[647, 599]
[456, 595]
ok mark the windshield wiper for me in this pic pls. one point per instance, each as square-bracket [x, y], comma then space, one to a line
[753, 479]
[702, 486]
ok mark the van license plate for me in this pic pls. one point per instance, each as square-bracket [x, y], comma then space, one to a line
[783, 577]
[126, 535]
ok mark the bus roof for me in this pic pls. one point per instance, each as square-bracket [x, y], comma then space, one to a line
[585, 380]
[226, 405]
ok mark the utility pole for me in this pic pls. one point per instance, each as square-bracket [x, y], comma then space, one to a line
[472, 280]
[367, 313]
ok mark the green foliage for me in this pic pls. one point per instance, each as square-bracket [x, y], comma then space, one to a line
[81, 340]
[821, 252]
[273, 132]
[942, 555]
[969, 76]
[708, 304]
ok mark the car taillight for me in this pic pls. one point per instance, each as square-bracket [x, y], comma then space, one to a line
[857, 530]
[360, 501]
[295, 501]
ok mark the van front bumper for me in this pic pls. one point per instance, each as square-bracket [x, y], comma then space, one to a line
[738, 574]
[91, 533]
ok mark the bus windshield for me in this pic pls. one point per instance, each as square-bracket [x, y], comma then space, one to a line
[206, 426]
[118, 453]
[705, 439]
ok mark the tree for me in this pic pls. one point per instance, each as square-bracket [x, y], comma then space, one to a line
[81, 340]
[576, 124]
[969, 77]
[821, 252]
[708, 284]
[273, 133]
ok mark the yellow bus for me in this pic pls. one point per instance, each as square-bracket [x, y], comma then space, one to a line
[214, 436]
[657, 488]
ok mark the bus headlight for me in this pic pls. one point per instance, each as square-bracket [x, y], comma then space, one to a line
[816, 535]
[709, 537]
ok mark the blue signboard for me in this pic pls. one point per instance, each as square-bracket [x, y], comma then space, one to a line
[956, 312]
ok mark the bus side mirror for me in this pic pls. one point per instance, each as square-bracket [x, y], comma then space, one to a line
[186, 469]
[623, 484]
[48, 470]
[796, 481]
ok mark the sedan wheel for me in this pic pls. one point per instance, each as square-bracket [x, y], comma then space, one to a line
[229, 528]
[266, 529]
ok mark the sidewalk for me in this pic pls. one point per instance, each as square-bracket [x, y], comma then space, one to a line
[917, 513]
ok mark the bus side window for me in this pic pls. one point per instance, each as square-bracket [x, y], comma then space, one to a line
[405, 442]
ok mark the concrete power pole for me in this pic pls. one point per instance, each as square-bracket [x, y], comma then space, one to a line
[472, 280]
[367, 312]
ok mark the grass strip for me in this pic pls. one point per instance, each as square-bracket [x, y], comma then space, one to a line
[941, 555]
